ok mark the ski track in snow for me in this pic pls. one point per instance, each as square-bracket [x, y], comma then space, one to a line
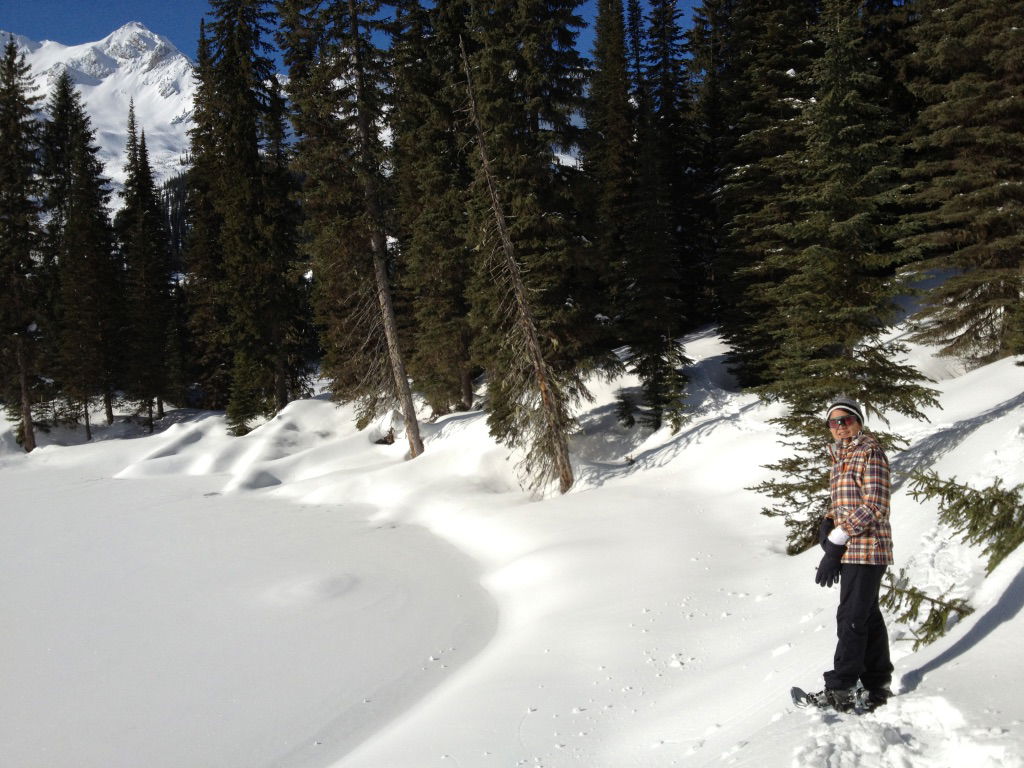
[649, 618]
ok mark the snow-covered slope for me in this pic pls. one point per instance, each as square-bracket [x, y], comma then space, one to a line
[305, 597]
[130, 63]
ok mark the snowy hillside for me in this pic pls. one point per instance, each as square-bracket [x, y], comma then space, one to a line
[305, 597]
[130, 63]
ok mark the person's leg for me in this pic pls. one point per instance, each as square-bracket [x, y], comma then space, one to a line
[858, 603]
[878, 667]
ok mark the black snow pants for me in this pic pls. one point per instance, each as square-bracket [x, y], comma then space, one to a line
[862, 652]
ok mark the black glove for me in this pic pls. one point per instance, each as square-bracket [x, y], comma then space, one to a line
[828, 568]
[824, 529]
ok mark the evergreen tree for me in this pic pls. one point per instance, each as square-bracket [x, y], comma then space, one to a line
[635, 50]
[432, 176]
[178, 354]
[531, 119]
[830, 314]
[338, 88]
[19, 241]
[526, 87]
[78, 257]
[906, 603]
[969, 175]
[142, 241]
[713, 69]
[609, 161]
[665, 285]
[205, 285]
[671, 133]
[242, 75]
[174, 200]
[887, 27]
[539, 420]
[772, 45]
[291, 334]
[335, 241]
[242, 197]
[990, 517]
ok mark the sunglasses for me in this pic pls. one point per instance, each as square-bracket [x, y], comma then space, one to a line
[842, 421]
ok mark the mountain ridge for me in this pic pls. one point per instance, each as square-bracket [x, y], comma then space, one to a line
[132, 63]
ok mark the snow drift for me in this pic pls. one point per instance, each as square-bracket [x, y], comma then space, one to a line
[305, 597]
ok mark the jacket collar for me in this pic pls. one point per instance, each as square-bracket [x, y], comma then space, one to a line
[847, 442]
[841, 446]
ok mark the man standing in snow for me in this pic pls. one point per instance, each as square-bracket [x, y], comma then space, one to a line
[857, 540]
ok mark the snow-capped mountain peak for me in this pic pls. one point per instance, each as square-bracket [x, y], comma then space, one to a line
[131, 62]
[134, 43]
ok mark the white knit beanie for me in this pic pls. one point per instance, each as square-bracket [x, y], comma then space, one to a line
[847, 404]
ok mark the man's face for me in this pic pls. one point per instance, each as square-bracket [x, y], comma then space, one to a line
[843, 424]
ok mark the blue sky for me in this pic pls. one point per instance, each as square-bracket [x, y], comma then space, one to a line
[80, 21]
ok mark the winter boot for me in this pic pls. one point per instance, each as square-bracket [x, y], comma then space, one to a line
[875, 698]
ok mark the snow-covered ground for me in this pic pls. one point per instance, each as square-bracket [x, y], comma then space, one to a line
[305, 597]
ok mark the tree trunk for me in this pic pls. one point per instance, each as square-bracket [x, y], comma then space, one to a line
[378, 244]
[108, 406]
[524, 315]
[280, 369]
[88, 424]
[281, 386]
[466, 378]
[28, 430]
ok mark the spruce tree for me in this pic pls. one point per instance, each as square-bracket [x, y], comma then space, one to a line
[142, 241]
[540, 424]
[772, 46]
[19, 241]
[338, 87]
[713, 69]
[634, 21]
[432, 176]
[335, 242]
[242, 198]
[242, 75]
[969, 175]
[991, 518]
[174, 200]
[665, 277]
[205, 286]
[609, 162]
[522, 120]
[531, 118]
[831, 312]
[79, 258]
[291, 335]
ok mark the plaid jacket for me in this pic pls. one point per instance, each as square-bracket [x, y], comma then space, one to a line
[860, 489]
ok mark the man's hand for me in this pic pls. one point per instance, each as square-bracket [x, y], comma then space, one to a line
[828, 568]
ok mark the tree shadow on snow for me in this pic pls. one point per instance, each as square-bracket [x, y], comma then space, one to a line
[596, 473]
[1005, 609]
[926, 452]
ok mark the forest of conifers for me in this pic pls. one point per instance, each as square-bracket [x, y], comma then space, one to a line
[435, 196]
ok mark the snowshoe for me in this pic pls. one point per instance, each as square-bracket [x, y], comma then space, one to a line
[839, 700]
